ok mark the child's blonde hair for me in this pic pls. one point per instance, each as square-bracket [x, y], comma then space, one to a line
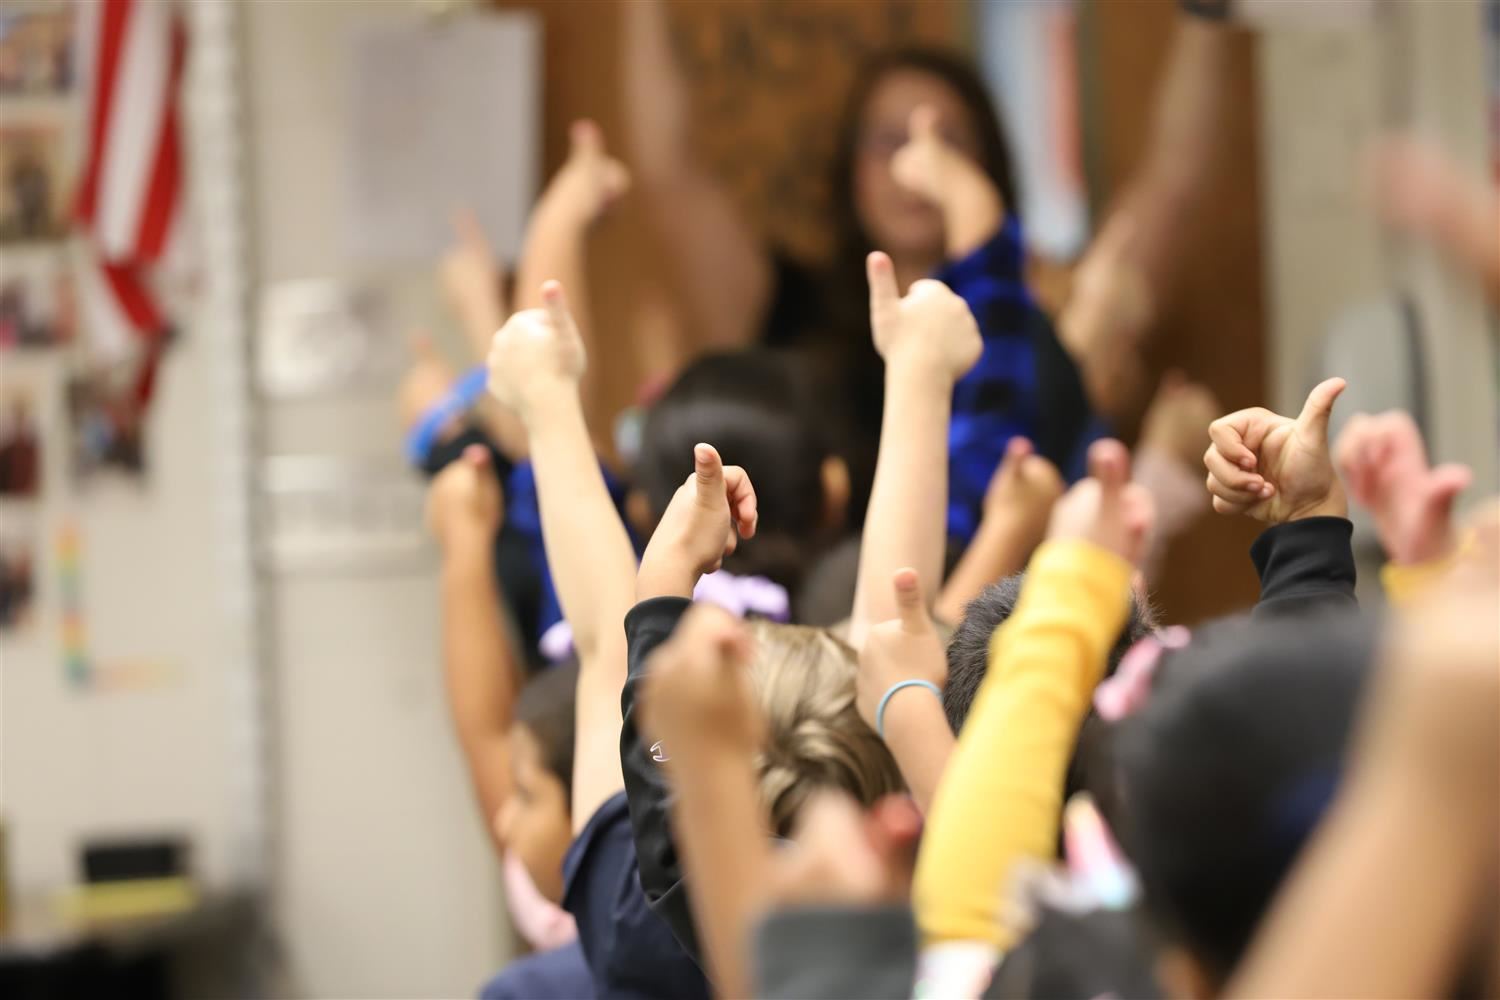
[804, 682]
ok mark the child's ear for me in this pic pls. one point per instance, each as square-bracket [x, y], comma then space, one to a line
[638, 512]
[835, 476]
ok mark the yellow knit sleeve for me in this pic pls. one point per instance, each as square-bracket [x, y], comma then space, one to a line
[1000, 799]
[1405, 584]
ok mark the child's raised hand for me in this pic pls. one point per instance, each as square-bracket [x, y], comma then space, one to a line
[1176, 422]
[464, 503]
[1384, 465]
[841, 856]
[1106, 509]
[698, 687]
[906, 648]
[1274, 468]
[471, 279]
[931, 329]
[703, 524]
[1023, 490]
[589, 182]
[537, 354]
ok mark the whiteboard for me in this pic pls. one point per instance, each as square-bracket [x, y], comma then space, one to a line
[442, 114]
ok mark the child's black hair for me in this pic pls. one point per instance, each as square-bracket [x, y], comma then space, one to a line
[546, 707]
[756, 409]
[969, 661]
[1229, 766]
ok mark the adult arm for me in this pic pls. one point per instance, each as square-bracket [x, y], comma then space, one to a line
[725, 271]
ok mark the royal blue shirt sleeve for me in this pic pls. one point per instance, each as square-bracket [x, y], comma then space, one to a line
[1024, 383]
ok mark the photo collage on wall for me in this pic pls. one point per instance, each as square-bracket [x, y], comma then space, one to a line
[47, 375]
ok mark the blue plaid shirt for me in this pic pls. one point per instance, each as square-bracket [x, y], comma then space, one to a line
[1024, 383]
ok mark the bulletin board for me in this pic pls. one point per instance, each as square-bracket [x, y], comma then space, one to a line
[128, 692]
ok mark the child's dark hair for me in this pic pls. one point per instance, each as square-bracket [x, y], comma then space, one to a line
[1229, 766]
[969, 661]
[755, 408]
[546, 707]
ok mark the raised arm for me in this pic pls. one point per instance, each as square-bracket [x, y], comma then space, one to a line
[1385, 469]
[698, 705]
[928, 339]
[535, 363]
[1016, 507]
[464, 513]
[724, 268]
[1001, 798]
[577, 197]
[902, 671]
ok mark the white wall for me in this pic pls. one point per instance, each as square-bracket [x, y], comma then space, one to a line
[385, 883]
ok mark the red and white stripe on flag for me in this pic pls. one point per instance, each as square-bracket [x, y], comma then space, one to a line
[130, 59]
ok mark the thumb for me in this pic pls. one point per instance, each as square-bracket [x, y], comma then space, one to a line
[708, 474]
[1109, 464]
[555, 300]
[477, 455]
[923, 124]
[1016, 450]
[910, 605]
[1444, 484]
[468, 230]
[585, 138]
[422, 347]
[884, 296]
[1319, 406]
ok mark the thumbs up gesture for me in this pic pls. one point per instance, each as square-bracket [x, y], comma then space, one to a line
[537, 356]
[703, 524]
[1274, 468]
[930, 329]
[906, 648]
[589, 181]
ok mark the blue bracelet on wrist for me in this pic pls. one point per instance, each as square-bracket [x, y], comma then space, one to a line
[885, 700]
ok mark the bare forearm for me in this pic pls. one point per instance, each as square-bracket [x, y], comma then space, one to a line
[998, 550]
[917, 734]
[480, 671]
[725, 272]
[588, 551]
[1335, 932]
[556, 248]
[907, 515]
[1191, 99]
[717, 823]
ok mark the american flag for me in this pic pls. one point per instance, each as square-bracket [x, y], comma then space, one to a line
[130, 59]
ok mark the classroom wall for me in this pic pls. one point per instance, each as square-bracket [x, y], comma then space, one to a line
[384, 881]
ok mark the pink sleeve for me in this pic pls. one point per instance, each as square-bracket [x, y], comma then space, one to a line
[543, 924]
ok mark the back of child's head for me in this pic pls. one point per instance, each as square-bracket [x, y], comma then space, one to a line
[546, 708]
[815, 739]
[759, 413]
[969, 661]
[1227, 768]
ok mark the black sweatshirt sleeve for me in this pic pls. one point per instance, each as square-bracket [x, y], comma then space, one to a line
[1305, 566]
[647, 626]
